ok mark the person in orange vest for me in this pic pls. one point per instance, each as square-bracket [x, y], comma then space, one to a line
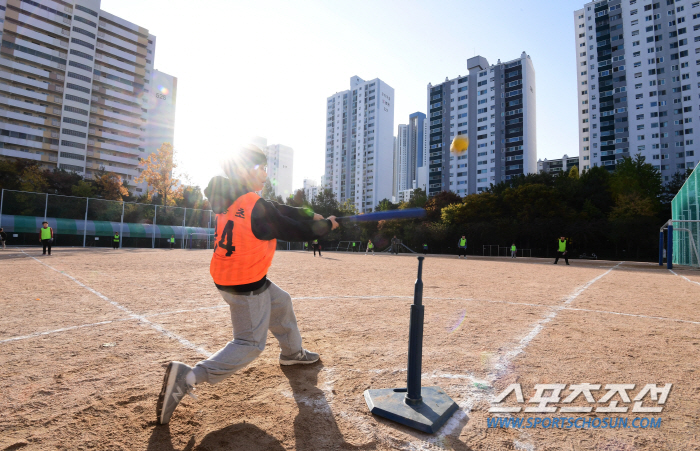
[247, 229]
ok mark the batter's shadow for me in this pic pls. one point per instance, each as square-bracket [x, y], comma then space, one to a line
[315, 427]
[235, 437]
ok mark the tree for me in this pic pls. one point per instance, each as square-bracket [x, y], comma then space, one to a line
[158, 173]
[298, 199]
[109, 185]
[32, 179]
[325, 203]
[436, 203]
[386, 205]
[83, 189]
[268, 192]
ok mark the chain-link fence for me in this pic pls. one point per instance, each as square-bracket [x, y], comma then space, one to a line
[91, 222]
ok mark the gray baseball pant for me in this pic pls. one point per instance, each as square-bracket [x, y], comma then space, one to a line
[252, 316]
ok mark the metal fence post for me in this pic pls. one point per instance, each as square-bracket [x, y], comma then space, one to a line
[2, 199]
[46, 206]
[155, 216]
[208, 229]
[87, 202]
[121, 227]
[184, 218]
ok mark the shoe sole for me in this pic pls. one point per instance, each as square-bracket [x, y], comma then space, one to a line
[165, 392]
[297, 362]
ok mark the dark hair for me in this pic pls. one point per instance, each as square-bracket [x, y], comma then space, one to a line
[45, 222]
[245, 158]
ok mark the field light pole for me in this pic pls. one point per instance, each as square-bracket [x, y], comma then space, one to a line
[46, 206]
[422, 408]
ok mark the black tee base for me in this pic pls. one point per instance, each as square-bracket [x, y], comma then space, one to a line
[428, 415]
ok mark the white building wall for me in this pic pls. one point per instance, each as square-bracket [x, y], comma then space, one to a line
[280, 165]
[655, 114]
[359, 143]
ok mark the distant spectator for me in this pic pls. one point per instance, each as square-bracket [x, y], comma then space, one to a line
[46, 236]
[3, 238]
[395, 242]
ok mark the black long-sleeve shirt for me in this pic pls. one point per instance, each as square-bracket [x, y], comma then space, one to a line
[271, 220]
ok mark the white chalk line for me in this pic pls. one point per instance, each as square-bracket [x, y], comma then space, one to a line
[133, 315]
[501, 367]
[216, 307]
[684, 277]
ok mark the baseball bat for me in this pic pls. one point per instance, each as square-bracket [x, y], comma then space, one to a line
[384, 215]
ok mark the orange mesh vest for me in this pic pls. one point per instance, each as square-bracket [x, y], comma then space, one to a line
[239, 257]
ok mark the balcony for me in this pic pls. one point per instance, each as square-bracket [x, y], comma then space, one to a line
[112, 146]
[122, 117]
[120, 64]
[115, 137]
[129, 36]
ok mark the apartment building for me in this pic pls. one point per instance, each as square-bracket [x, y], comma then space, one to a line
[77, 88]
[359, 143]
[280, 167]
[651, 110]
[494, 105]
[402, 165]
[311, 189]
[557, 165]
[409, 150]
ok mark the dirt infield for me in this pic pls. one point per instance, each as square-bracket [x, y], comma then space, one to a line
[85, 336]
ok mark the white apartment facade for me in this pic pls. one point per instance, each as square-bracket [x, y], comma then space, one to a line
[311, 189]
[360, 143]
[402, 168]
[495, 106]
[558, 165]
[76, 90]
[280, 167]
[638, 83]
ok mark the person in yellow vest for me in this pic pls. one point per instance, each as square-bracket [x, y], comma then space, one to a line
[247, 230]
[115, 241]
[513, 250]
[317, 247]
[462, 247]
[370, 247]
[425, 248]
[46, 236]
[171, 240]
[561, 251]
[354, 249]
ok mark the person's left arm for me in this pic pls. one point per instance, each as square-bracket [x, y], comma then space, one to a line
[298, 214]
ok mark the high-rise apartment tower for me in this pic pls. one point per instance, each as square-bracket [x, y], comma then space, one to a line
[360, 143]
[494, 105]
[637, 81]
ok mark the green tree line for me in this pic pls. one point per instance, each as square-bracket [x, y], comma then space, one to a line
[615, 215]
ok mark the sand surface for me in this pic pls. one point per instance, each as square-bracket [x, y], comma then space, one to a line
[86, 334]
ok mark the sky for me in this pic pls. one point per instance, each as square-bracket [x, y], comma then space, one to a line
[265, 68]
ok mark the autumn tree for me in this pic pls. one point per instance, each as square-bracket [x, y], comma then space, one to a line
[109, 185]
[158, 174]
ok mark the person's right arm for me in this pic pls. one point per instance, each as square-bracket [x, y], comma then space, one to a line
[268, 223]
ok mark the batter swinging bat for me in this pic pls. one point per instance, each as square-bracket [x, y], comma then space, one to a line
[383, 215]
